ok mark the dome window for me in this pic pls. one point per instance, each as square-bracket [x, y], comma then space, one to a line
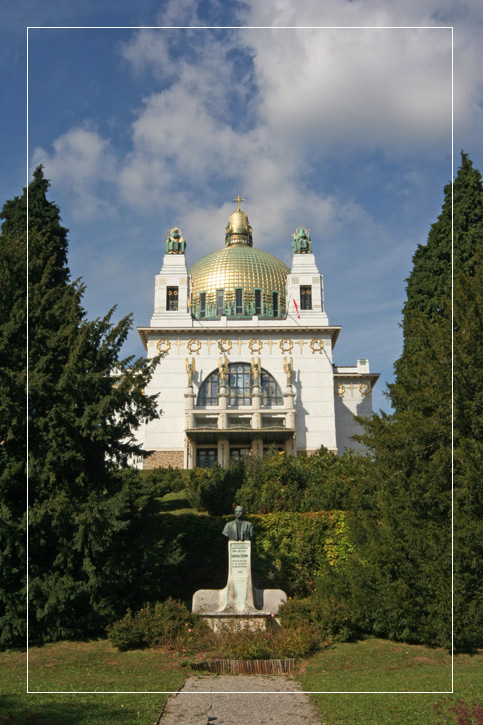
[202, 304]
[239, 301]
[275, 303]
[258, 301]
[220, 302]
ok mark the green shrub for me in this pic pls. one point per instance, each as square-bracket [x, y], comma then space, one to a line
[161, 481]
[274, 643]
[154, 624]
[295, 550]
[327, 616]
[319, 482]
[215, 490]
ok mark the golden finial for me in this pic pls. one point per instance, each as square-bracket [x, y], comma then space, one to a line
[238, 199]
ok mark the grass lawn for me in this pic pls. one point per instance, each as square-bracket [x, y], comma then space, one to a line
[177, 503]
[379, 665]
[94, 665]
[370, 664]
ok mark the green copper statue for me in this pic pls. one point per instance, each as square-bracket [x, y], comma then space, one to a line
[174, 241]
[302, 244]
[239, 530]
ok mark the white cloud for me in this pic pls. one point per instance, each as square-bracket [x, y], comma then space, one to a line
[82, 161]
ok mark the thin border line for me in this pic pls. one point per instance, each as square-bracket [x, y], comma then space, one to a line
[281, 27]
[240, 27]
[237, 692]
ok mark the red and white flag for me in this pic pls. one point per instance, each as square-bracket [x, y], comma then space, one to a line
[295, 305]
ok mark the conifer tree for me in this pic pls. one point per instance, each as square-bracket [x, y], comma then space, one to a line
[84, 406]
[13, 419]
[410, 546]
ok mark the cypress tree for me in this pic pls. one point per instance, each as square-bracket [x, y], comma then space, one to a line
[13, 418]
[84, 406]
[409, 539]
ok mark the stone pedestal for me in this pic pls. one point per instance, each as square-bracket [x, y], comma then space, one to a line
[240, 603]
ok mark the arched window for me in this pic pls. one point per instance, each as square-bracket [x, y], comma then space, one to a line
[240, 383]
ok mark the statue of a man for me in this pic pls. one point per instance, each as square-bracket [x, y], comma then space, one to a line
[175, 243]
[301, 241]
[239, 530]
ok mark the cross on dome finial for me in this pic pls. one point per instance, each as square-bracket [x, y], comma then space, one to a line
[238, 199]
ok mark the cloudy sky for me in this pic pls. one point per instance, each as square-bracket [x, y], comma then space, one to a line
[335, 115]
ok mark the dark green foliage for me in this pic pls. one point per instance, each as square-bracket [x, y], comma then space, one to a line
[429, 285]
[13, 421]
[164, 480]
[86, 519]
[405, 584]
[214, 490]
[153, 625]
[320, 482]
[171, 623]
[328, 617]
[278, 482]
[291, 551]
[468, 455]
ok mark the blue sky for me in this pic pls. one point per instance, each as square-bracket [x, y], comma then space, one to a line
[346, 131]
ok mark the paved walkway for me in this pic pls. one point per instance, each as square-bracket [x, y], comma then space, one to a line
[256, 699]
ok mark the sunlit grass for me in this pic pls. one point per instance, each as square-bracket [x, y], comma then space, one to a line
[375, 665]
[87, 666]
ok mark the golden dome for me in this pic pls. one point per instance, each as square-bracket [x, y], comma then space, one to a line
[238, 280]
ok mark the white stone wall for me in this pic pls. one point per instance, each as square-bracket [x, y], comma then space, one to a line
[312, 378]
[322, 417]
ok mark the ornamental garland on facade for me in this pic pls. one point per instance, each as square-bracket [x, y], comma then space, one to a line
[163, 345]
[193, 345]
[285, 344]
[316, 345]
[224, 344]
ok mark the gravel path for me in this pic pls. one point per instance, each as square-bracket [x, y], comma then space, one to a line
[257, 699]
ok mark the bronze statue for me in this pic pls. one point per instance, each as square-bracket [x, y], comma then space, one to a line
[302, 244]
[239, 530]
[174, 241]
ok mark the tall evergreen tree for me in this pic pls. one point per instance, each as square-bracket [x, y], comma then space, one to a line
[410, 545]
[84, 406]
[13, 420]
[468, 454]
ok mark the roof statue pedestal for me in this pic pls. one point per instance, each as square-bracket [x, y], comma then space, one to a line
[239, 604]
[247, 366]
[172, 283]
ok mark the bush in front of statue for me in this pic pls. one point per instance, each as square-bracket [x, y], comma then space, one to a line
[328, 617]
[159, 623]
[170, 624]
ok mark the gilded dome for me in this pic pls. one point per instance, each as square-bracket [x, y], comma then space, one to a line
[238, 280]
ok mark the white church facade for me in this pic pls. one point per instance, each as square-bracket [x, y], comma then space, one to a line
[248, 356]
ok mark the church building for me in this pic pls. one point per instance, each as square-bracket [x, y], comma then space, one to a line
[248, 356]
